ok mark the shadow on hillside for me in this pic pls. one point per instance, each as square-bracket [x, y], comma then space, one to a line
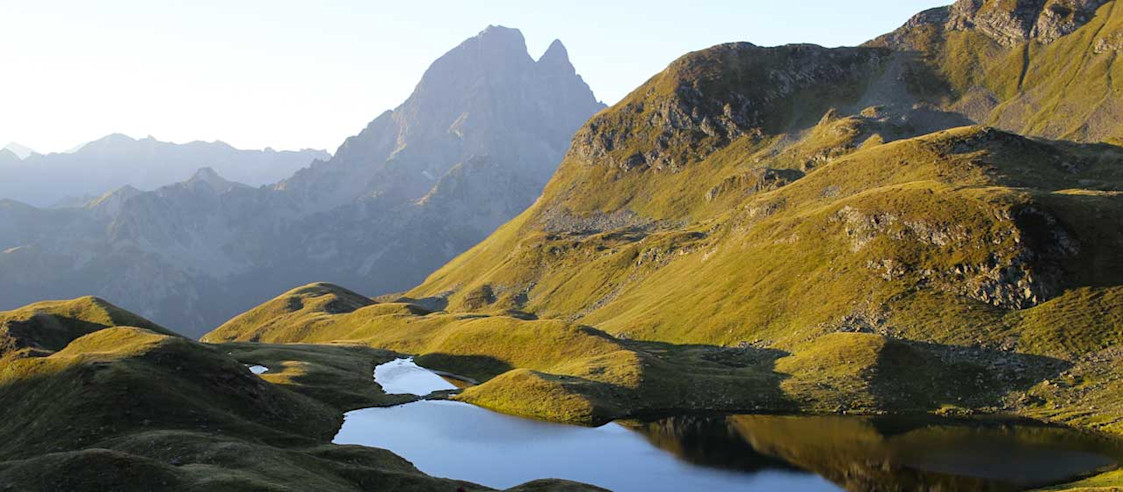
[339, 375]
[927, 376]
[906, 377]
[710, 378]
[430, 304]
[43, 332]
[476, 367]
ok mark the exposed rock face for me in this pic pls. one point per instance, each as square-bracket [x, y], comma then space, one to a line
[470, 149]
[754, 181]
[485, 98]
[705, 109]
[947, 63]
[1013, 22]
[118, 160]
[1007, 22]
[1024, 269]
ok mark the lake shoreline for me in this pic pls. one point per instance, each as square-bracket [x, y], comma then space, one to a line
[1010, 428]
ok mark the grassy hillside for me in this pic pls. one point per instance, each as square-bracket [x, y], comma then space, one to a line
[49, 326]
[91, 404]
[1068, 88]
[772, 228]
[928, 223]
[921, 247]
[972, 224]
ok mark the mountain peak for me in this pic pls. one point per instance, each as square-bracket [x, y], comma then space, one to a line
[115, 137]
[208, 176]
[556, 55]
[7, 155]
[494, 53]
[502, 35]
[111, 141]
[205, 173]
[110, 203]
[18, 150]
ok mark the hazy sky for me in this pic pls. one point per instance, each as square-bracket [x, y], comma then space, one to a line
[294, 74]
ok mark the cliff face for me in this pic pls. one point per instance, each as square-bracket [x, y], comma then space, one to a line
[485, 98]
[1013, 22]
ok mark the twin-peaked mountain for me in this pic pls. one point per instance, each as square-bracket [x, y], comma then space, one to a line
[471, 148]
[929, 221]
[486, 100]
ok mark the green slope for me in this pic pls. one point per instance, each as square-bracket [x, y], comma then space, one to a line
[785, 228]
[928, 223]
[90, 404]
[1070, 88]
[50, 325]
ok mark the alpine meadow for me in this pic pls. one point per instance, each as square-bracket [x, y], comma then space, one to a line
[885, 267]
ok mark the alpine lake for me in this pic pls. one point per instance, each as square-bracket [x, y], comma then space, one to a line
[722, 452]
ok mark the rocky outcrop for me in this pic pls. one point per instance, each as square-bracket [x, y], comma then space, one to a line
[1025, 266]
[1008, 23]
[753, 181]
[690, 109]
[1013, 22]
[1113, 42]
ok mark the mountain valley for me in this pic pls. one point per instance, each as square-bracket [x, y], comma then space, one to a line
[928, 224]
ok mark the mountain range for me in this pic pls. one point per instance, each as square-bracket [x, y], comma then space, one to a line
[117, 160]
[928, 223]
[20, 151]
[471, 148]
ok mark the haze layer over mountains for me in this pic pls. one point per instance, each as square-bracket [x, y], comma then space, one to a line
[75, 178]
[471, 148]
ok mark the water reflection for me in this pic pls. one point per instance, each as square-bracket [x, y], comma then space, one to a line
[458, 440]
[890, 453]
[722, 452]
[403, 376]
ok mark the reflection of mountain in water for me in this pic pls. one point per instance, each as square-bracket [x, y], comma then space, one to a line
[708, 441]
[888, 453]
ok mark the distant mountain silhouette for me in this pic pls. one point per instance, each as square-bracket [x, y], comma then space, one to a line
[70, 179]
[21, 151]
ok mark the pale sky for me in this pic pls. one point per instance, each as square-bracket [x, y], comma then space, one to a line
[306, 74]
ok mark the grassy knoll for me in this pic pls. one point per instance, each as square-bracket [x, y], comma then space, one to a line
[129, 408]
